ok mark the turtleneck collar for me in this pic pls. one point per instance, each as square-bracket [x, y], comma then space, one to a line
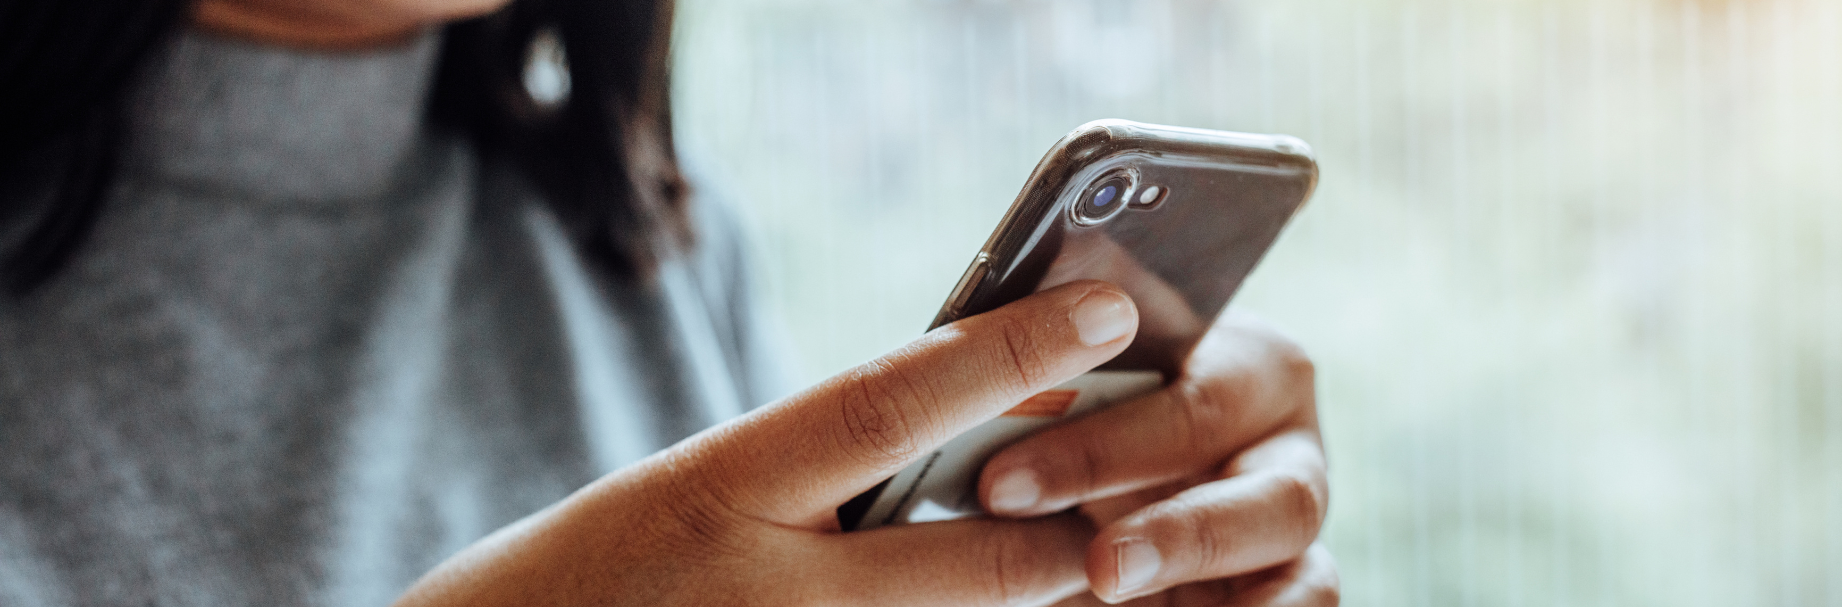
[280, 124]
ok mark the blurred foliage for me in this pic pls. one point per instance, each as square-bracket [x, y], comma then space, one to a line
[1572, 277]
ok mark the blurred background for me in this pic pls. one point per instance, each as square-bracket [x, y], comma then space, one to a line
[1572, 276]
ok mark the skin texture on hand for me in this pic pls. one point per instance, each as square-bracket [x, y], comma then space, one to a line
[743, 513]
[1208, 492]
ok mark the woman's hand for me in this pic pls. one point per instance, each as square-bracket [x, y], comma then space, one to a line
[1208, 492]
[743, 513]
[1220, 476]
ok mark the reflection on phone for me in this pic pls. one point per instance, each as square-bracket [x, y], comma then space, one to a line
[1167, 325]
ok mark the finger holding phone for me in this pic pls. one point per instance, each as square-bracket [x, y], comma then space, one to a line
[743, 513]
[1211, 487]
[1213, 484]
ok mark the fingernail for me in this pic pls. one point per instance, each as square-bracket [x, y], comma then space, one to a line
[1103, 316]
[1016, 491]
[1135, 561]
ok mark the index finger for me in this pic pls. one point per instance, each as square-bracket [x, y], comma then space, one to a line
[814, 450]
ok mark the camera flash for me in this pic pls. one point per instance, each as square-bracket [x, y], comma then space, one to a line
[1150, 195]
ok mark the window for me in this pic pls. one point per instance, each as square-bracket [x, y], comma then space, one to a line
[1573, 276]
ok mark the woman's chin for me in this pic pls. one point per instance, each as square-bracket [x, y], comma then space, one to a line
[333, 24]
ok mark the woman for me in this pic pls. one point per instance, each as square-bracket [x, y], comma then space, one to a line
[308, 297]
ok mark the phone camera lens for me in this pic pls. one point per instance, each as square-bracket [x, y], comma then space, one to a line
[1105, 195]
[1148, 197]
[1104, 199]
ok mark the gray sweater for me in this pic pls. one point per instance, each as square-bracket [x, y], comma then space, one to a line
[313, 347]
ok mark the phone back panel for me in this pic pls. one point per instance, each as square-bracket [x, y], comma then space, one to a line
[1180, 250]
[1181, 253]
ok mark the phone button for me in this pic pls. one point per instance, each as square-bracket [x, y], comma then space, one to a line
[967, 283]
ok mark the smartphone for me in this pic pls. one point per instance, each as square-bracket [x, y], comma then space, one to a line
[1177, 217]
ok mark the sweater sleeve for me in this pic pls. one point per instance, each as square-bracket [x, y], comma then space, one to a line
[760, 351]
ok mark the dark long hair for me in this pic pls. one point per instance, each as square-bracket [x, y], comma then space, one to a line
[603, 158]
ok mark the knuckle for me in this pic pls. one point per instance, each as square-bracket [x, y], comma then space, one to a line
[1298, 374]
[1213, 545]
[697, 519]
[1324, 591]
[1294, 360]
[882, 407]
[1011, 562]
[1304, 504]
[708, 534]
[1268, 345]
[1225, 394]
[1089, 466]
[1027, 365]
[1208, 407]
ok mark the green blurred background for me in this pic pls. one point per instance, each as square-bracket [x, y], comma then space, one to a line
[1572, 276]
